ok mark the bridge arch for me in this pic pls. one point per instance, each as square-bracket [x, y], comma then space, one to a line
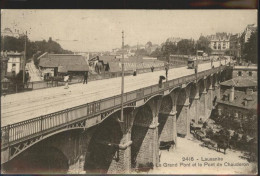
[201, 86]
[193, 100]
[182, 110]
[103, 145]
[140, 137]
[19, 148]
[40, 158]
[165, 119]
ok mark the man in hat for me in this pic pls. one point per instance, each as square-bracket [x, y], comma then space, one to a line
[85, 77]
[152, 68]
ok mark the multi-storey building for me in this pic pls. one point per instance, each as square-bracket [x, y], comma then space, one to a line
[219, 43]
[15, 63]
[248, 31]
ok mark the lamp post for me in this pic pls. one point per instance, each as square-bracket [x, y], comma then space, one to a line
[122, 82]
[196, 66]
[24, 56]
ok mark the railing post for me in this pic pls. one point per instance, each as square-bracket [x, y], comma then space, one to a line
[67, 115]
[32, 85]
[7, 134]
[16, 88]
[41, 122]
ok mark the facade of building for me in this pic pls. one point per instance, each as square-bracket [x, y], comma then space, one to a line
[219, 43]
[245, 71]
[15, 63]
[246, 35]
[248, 31]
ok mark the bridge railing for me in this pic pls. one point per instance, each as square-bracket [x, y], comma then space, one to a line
[20, 131]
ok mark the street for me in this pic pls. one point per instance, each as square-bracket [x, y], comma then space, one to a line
[189, 154]
[27, 105]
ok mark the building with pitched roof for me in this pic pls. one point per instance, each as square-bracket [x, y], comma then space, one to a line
[54, 64]
[238, 101]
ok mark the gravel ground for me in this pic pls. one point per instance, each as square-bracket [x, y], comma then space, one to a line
[191, 148]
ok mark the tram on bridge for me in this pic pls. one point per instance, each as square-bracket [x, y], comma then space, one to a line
[192, 63]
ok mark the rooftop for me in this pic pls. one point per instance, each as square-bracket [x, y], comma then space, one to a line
[241, 99]
[245, 67]
[219, 36]
[68, 62]
[240, 82]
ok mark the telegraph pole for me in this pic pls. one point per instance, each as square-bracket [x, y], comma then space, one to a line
[122, 85]
[24, 59]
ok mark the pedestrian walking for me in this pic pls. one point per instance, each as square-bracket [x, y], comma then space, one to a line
[66, 80]
[161, 78]
[196, 69]
[134, 72]
[85, 77]
[152, 68]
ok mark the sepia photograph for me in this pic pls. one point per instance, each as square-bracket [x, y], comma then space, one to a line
[129, 91]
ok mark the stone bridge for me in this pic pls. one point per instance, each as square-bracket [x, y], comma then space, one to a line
[91, 137]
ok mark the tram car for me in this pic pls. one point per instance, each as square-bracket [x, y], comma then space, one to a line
[192, 63]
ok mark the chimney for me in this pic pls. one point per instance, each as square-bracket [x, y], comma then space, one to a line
[232, 92]
[249, 91]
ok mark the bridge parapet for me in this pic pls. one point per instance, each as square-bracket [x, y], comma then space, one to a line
[88, 114]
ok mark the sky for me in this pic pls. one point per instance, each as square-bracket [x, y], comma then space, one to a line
[101, 30]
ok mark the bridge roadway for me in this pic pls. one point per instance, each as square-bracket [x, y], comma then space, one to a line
[23, 106]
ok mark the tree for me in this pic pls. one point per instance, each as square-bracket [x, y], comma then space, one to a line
[141, 52]
[156, 53]
[39, 47]
[186, 47]
[149, 44]
[250, 48]
[203, 44]
[169, 48]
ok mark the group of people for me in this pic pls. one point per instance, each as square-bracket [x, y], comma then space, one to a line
[67, 77]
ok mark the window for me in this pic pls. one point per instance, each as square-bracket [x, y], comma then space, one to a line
[215, 45]
[239, 73]
[224, 45]
[250, 73]
[219, 46]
